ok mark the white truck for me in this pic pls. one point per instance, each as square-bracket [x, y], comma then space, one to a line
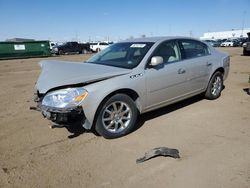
[98, 46]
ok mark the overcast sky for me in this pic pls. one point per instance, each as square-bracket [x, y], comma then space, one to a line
[61, 20]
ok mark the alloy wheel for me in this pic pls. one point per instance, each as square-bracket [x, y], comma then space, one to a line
[116, 117]
[216, 86]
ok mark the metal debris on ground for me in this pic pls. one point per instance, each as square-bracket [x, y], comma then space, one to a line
[35, 108]
[161, 151]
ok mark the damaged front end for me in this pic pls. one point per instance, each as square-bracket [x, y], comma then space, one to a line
[62, 106]
[61, 90]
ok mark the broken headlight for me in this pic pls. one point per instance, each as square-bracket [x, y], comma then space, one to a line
[65, 98]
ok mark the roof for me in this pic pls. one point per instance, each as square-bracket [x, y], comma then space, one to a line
[157, 39]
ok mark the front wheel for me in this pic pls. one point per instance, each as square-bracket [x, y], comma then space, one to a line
[84, 51]
[215, 86]
[60, 52]
[246, 52]
[116, 117]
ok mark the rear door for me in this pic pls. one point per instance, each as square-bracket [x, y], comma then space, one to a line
[197, 58]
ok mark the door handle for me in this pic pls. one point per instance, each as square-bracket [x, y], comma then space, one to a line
[181, 71]
[209, 63]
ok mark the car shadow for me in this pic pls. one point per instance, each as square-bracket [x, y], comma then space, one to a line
[166, 110]
[76, 129]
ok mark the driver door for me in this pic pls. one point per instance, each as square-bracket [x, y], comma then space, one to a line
[166, 82]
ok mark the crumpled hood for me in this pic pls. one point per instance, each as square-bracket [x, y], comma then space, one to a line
[61, 73]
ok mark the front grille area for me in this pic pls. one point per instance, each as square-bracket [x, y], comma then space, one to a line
[61, 116]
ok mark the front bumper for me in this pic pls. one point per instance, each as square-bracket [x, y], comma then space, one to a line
[62, 116]
[54, 51]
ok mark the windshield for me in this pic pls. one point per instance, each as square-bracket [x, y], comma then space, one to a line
[125, 55]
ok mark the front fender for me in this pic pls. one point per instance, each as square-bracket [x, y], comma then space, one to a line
[100, 90]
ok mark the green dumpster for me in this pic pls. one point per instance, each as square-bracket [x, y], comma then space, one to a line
[10, 50]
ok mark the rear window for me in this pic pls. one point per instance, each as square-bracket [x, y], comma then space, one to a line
[103, 43]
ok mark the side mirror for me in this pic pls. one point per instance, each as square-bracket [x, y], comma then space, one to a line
[156, 60]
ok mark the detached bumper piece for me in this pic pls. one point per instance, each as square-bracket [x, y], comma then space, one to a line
[161, 151]
[63, 117]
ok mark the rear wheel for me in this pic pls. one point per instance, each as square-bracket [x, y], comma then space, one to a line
[84, 51]
[116, 117]
[246, 52]
[215, 86]
[61, 52]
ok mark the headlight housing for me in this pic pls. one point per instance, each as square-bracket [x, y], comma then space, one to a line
[244, 45]
[65, 98]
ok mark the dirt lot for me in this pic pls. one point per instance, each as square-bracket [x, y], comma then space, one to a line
[213, 138]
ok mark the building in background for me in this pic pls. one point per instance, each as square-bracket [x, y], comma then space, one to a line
[225, 34]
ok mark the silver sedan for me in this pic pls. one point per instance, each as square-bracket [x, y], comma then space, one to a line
[110, 90]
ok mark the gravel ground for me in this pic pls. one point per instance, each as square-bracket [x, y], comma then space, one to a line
[213, 138]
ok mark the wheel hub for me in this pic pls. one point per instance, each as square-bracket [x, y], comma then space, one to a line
[117, 117]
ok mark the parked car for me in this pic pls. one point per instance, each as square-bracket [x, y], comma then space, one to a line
[242, 41]
[213, 43]
[110, 90]
[229, 43]
[239, 41]
[71, 47]
[98, 46]
[246, 46]
[219, 41]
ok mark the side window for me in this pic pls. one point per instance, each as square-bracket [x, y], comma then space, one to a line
[192, 49]
[168, 51]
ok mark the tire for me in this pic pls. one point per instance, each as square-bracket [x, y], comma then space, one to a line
[215, 86]
[98, 50]
[116, 117]
[60, 52]
[84, 51]
[246, 52]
